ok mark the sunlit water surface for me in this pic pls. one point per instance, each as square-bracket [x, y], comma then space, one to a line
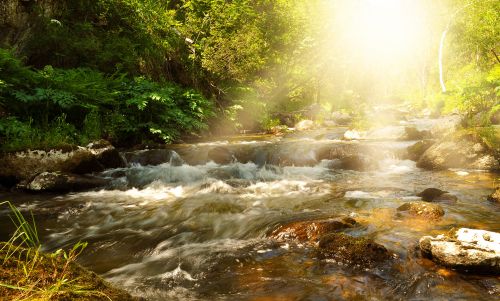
[198, 232]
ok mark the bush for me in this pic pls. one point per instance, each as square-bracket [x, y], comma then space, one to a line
[55, 106]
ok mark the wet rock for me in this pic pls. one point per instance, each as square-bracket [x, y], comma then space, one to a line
[311, 231]
[412, 134]
[422, 209]
[63, 182]
[106, 154]
[221, 155]
[304, 125]
[465, 249]
[459, 152]
[495, 196]
[352, 250]
[21, 166]
[153, 157]
[24, 165]
[415, 151]
[429, 194]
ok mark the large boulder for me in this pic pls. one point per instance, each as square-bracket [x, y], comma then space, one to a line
[459, 152]
[424, 210]
[311, 231]
[63, 182]
[23, 165]
[465, 249]
[415, 151]
[153, 157]
[106, 154]
[351, 250]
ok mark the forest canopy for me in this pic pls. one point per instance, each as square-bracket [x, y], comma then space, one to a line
[141, 70]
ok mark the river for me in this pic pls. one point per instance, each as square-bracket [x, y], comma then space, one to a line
[198, 231]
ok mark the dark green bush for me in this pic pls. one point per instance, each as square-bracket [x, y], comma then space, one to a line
[54, 106]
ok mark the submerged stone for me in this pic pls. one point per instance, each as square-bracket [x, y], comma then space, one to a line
[352, 250]
[465, 249]
[422, 209]
[311, 231]
[429, 194]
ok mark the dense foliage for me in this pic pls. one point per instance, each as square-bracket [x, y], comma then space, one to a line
[138, 70]
[51, 106]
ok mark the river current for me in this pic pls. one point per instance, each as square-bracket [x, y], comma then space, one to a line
[198, 230]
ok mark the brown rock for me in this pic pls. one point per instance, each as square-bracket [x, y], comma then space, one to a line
[352, 250]
[311, 231]
[422, 209]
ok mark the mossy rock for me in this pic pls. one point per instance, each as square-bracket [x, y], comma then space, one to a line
[81, 284]
[424, 210]
[352, 250]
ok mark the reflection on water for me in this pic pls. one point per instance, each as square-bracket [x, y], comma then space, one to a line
[198, 232]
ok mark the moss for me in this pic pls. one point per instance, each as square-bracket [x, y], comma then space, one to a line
[352, 250]
[48, 272]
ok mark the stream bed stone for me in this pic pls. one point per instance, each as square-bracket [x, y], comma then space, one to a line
[465, 249]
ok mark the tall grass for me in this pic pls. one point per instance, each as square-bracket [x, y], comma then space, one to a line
[33, 275]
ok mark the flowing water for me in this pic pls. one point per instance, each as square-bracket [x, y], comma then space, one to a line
[197, 231]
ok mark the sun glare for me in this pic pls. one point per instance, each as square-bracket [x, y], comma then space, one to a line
[383, 31]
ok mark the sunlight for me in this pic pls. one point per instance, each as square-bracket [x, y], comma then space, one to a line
[384, 31]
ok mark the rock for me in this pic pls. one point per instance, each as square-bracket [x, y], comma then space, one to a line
[459, 152]
[495, 196]
[357, 162]
[304, 125]
[351, 135]
[352, 250]
[422, 209]
[63, 182]
[342, 119]
[429, 194]
[445, 126]
[412, 134]
[221, 155]
[107, 155]
[465, 249]
[415, 151]
[24, 165]
[311, 231]
[153, 157]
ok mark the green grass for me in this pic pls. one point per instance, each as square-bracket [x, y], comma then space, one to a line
[27, 273]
